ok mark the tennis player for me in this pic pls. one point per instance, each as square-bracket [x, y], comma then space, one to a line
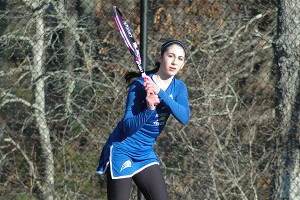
[128, 154]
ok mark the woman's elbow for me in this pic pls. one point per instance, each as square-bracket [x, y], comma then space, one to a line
[126, 127]
[186, 119]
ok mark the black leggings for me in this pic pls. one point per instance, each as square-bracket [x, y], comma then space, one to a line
[150, 182]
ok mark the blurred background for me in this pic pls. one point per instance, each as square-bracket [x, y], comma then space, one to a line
[62, 92]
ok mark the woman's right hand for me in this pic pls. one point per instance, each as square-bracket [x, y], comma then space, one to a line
[151, 97]
[150, 85]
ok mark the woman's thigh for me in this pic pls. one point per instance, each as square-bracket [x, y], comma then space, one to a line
[118, 189]
[151, 183]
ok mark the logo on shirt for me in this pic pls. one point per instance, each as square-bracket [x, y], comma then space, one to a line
[171, 96]
[125, 165]
[161, 119]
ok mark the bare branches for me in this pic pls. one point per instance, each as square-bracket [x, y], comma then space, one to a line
[34, 5]
[74, 69]
[12, 36]
[32, 169]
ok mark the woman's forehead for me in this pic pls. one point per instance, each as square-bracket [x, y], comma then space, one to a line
[176, 49]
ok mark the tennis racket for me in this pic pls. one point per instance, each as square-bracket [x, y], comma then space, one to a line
[128, 38]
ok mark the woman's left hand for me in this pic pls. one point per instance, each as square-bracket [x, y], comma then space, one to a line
[152, 101]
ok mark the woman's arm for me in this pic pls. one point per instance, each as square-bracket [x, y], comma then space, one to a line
[179, 106]
[137, 113]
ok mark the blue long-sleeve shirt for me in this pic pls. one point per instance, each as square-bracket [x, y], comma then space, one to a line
[133, 139]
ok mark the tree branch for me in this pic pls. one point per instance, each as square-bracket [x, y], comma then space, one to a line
[32, 170]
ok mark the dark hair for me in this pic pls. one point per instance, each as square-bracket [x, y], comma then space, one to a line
[129, 76]
[169, 43]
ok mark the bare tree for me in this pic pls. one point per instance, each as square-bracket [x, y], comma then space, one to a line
[51, 70]
[65, 72]
[39, 106]
[288, 87]
[36, 43]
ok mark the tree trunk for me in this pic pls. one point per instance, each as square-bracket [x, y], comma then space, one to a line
[287, 184]
[70, 47]
[39, 108]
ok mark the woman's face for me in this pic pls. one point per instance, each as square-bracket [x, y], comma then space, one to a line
[172, 61]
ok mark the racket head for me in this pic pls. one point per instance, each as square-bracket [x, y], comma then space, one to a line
[128, 37]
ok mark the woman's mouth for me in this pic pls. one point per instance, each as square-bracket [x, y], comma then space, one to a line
[172, 68]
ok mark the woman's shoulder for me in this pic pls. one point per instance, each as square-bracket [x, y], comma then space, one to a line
[139, 80]
[179, 82]
[137, 83]
[180, 86]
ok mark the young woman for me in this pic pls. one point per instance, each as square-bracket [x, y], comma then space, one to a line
[128, 153]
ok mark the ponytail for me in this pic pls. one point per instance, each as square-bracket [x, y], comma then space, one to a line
[130, 77]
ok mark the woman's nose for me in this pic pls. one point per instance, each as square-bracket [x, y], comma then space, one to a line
[174, 61]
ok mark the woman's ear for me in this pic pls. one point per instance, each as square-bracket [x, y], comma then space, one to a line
[158, 58]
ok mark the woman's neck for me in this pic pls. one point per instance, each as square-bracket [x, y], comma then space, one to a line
[162, 81]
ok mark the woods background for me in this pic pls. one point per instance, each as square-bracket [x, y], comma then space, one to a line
[62, 92]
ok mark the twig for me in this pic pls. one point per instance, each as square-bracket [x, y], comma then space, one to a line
[32, 171]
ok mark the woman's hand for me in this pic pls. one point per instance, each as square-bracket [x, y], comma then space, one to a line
[152, 90]
[152, 101]
[150, 86]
